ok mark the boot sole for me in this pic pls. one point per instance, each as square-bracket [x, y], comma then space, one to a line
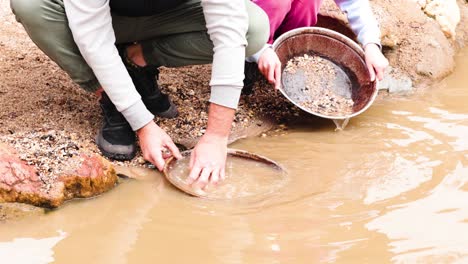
[119, 157]
[172, 112]
[131, 149]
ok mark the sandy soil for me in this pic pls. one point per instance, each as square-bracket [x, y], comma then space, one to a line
[35, 94]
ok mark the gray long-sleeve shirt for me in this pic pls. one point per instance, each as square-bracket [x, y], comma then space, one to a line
[226, 20]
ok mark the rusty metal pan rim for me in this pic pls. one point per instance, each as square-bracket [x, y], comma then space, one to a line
[337, 36]
[233, 152]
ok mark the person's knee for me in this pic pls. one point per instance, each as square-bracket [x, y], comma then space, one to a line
[259, 30]
[27, 11]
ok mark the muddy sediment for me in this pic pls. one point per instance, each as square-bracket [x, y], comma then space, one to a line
[318, 92]
[13, 211]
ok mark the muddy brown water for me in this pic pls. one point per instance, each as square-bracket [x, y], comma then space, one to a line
[391, 188]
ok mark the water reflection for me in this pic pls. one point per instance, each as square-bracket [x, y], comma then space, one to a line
[30, 250]
[433, 228]
[404, 175]
[454, 126]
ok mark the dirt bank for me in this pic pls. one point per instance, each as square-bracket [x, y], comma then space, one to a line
[417, 44]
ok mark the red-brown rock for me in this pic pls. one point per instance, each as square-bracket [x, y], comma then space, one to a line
[89, 175]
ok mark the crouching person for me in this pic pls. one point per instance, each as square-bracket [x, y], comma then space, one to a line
[286, 15]
[114, 48]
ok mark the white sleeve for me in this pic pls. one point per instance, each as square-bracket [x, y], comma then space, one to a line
[227, 24]
[90, 22]
[361, 19]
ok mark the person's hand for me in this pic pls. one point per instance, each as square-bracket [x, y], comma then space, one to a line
[154, 142]
[208, 161]
[375, 61]
[270, 66]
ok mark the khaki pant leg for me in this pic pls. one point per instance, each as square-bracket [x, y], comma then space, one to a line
[180, 38]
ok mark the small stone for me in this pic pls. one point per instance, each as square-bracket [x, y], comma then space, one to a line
[402, 85]
[433, 43]
[172, 89]
[141, 160]
[423, 70]
[395, 82]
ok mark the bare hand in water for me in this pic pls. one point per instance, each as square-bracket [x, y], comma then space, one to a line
[375, 60]
[208, 161]
[153, 142]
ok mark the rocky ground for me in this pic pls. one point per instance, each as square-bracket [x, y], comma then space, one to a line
[46, 118]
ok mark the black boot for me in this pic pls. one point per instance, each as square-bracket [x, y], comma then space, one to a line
[252, 74]
[115, 139]
[145, 81]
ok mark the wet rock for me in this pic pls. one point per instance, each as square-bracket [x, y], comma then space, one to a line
[395, 82]
[445, 12]
[20, 182]
[87, 176]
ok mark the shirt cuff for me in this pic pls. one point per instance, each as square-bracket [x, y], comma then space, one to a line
[137, 115]
[256, 56]
[371, 40]
[227, 96]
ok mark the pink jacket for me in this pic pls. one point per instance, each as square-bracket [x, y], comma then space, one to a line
[290, 14]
